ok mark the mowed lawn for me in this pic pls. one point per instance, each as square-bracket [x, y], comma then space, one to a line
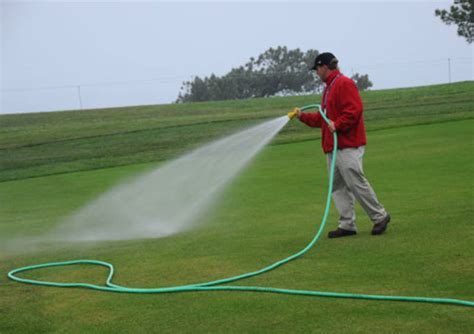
[422, 173]
[42, 144]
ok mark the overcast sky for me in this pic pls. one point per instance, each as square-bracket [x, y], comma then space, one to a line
[136, 53]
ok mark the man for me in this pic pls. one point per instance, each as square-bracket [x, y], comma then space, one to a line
[343, 106]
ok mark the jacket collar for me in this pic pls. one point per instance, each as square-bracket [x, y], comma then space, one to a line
[331, 77]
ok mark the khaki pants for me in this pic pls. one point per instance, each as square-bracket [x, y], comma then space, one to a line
[351, 184]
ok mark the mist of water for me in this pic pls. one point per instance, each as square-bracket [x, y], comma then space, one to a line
[172, 197]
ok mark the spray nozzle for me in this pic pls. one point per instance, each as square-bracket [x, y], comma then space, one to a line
[292, 114]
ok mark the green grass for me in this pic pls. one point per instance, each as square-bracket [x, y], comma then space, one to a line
[422, 173]
[50, 143]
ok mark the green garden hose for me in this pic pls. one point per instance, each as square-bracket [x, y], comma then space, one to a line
[217, 284]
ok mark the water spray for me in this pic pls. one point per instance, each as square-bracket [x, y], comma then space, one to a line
[217, 284]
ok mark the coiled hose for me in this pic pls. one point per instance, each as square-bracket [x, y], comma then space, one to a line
[217, 284]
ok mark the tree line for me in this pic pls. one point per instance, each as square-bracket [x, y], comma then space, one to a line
[276, 72]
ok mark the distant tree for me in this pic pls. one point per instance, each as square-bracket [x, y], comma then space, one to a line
[281, 70]
[362, 81]
[462, 15]
[276, 72]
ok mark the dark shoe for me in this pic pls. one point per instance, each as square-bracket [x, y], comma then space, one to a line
[382, 226]
[340, 233]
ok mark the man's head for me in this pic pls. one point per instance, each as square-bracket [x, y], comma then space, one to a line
[324, 64]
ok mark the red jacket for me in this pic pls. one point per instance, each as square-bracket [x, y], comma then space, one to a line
[344, 108]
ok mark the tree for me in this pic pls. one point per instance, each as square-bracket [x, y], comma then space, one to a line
[460, 14]
[276, 72]
[362, 81]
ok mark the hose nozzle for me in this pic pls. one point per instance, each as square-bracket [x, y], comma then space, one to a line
[292, 114]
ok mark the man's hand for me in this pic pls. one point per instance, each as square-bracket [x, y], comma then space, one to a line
[331, 126]
[298, 112]
[294, 113]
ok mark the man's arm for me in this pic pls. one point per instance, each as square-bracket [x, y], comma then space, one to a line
[313, 119]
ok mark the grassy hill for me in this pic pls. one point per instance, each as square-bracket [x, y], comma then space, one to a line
[419, 160]
[51, 143]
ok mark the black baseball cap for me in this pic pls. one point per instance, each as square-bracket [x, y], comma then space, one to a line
[324, 58]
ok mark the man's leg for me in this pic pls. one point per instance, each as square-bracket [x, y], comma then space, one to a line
[343, 200]
[349, 164]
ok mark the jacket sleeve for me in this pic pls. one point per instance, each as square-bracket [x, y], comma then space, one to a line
[312, 119]
[351, 106]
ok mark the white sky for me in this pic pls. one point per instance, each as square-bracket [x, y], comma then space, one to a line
[111, 49]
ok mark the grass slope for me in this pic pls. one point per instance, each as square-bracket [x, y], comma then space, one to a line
[51, 143]
[422, 173]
